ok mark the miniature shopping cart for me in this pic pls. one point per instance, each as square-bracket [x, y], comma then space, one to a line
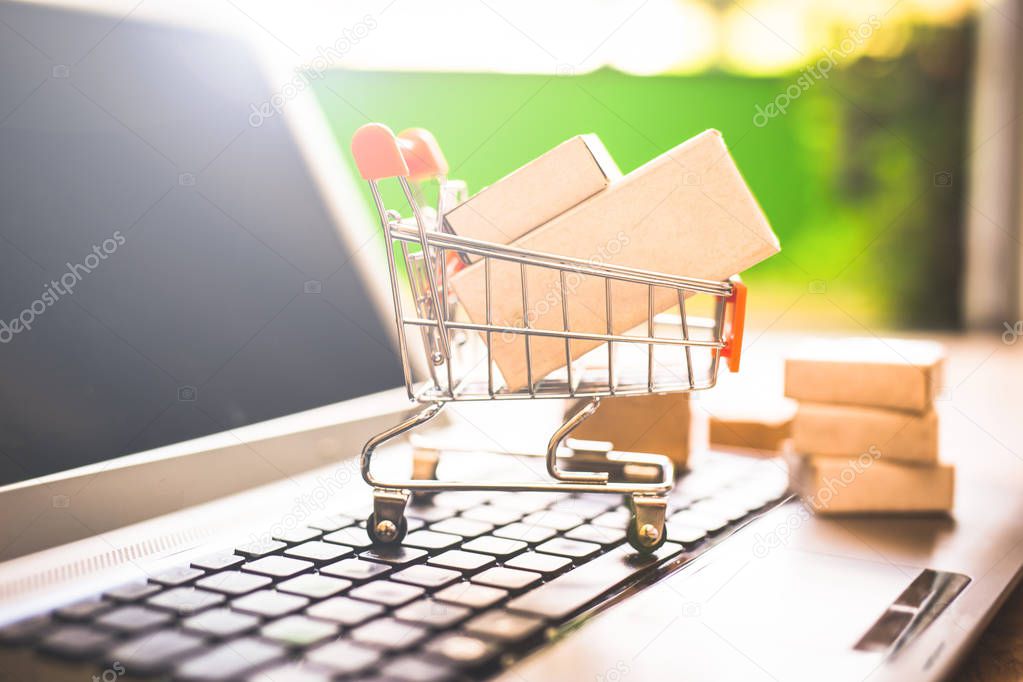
[457, 363]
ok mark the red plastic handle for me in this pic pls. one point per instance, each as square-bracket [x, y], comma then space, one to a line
[377, 154]
[735, 313]
[422, 154]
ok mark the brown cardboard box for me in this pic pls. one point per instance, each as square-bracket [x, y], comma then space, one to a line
[535, 193]
[765, 428]
[868, 484]
[841, 430]
[688, 212]
[642, 423]
[892, 373]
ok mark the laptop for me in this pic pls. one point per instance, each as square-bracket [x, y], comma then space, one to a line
[181, 496]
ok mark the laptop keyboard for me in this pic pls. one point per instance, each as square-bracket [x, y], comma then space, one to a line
[480, 580]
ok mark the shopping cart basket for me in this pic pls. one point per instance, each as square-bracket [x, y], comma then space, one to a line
[458, 352]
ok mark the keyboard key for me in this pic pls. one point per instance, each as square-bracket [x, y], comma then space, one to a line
[176, 577]
[601, 535]
[259, 548]
[133, 592]
[229, 660]
[428, 514]
[83, 610]
[547, 565]
[461, 500]
[184, 601]
[155, 652]
[269, 604]
[680, 532]
[617, 518]
[220, 623]
[525, 502]
[711, 523]
[505, 627]
[133, 619]
[314, 586]
[318, 552]
[293, 672]
[410, 669]
[432, 614]
[719, 507]
[25, 630]
[428, 539]
[344, 657]
[501, 548]
[348, 612]
[430, 577]
[466, 528]
[389, 634]
[575, 589]
[458, 560]
[387, 593]
[233, 583]
[298, 535]
[76, 642]
[462, 651]
[329, 524]
[570, 548]
[553, 519]
[525, 532]
[298, 631]
[472, 596]
[395, 556]
[496, 516]
[216, 562]
[509, 579]
[277, 566]
[587, 508]
[355, 570]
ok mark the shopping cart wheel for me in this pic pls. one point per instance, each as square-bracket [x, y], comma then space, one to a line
[387, 524]
[646, 532]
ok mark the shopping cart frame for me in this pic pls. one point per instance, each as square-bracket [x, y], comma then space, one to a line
[415, 156]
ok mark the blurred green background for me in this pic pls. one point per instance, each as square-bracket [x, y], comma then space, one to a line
[861, 178]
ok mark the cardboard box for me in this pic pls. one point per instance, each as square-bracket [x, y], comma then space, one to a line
[865, 484]
[841, 430]
[537, 192]
[765, 428]
[688, 213]
[892, 373]
[642, 423]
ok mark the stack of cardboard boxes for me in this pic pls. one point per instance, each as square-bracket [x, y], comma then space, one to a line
[865, 434]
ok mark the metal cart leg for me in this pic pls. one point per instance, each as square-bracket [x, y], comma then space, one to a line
[646, 526]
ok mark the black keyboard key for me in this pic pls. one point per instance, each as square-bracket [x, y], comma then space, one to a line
[133, 619]
[461, 651]
[234, 583]
[467, 562]
[175, 577]
[547, 565]
[185, 601]
[687, 535]
[510, 579]
[155, 652]
[218, 623]
[394, 556]
[497, 516]
[133, 592]
[76, 642]
[298, 631]
[388, 634]
[414, 669]
[387, 593]
[216, 562]
[24, 631]
[298, 535]
[318, 552]
[572, 591]
[352, 536]
[430, 577]
[553, 519]
[432, 614]
[573, 549]
[355, 570]
[259, 548]
[277, 566]
[344, 657]
[269, 604]
[470, 595]
[502, 548]
[329, 524]
[602, 535]
[345, 611]
[504, 627]
[314, 586]
[463, 527]
[525, 532]
[83, 610]
[428, 539]
[229, 660]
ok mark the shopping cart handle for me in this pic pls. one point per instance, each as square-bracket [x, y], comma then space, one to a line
[422, 154]
[735, 307]
[377, 154]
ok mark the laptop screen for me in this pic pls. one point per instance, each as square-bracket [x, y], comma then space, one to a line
[168, 266]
